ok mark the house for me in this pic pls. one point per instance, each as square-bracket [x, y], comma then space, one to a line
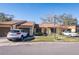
[32, 28]
[53, 28]
[6, 26]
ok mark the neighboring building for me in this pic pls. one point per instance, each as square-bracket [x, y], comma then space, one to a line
[52, 28]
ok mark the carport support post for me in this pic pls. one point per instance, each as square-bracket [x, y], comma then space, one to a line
[43, 30]
[13, 27]
[31, 30]
[48, 31]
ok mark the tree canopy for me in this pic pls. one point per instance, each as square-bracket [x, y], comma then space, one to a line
[64, 19]
[5, 17]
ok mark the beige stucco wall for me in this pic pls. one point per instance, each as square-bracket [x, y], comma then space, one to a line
[31, 30]
[4, 31]
[48, 31]
[73, 28]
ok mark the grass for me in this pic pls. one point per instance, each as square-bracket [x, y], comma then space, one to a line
[44, 39]
[56, 38]
[71, 39]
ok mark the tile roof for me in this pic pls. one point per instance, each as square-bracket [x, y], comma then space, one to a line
[47, 25]
[11, 22]
[28, 24]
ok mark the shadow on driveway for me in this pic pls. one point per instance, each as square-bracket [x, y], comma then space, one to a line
[26, 39]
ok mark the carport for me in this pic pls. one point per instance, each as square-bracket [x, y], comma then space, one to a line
[4, 28]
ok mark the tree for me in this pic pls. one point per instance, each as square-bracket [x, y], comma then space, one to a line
[64, 19]
[5, 17]
[54, 19]
[68, 19]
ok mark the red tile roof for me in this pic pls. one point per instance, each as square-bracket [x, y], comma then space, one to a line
[47, 25]
[11, 22]
[28, 24]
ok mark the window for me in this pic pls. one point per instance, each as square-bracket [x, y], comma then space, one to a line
[14, 31]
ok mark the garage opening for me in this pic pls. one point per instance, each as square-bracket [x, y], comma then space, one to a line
[4, 31]
[26, 29]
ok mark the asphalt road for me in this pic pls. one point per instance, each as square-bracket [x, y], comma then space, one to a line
[39, 48]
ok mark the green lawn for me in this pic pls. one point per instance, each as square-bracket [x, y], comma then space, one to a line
[56, 38]
[44, 39]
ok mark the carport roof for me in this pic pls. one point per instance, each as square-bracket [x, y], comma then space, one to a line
[12, 22]
[28, 24]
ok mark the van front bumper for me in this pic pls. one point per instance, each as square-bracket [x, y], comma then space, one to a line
[13, 38]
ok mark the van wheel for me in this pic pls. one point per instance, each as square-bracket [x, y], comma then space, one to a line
[10, 39]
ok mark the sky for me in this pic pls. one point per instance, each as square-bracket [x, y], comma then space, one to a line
[34, 11]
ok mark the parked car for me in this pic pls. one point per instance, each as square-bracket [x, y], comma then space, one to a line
[72, 34]
[16, 34]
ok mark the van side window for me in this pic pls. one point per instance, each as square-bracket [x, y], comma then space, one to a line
[22, 30]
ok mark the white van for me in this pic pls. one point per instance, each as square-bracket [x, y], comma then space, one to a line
[16, 34]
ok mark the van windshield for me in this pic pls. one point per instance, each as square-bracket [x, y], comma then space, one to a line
[14, 31]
